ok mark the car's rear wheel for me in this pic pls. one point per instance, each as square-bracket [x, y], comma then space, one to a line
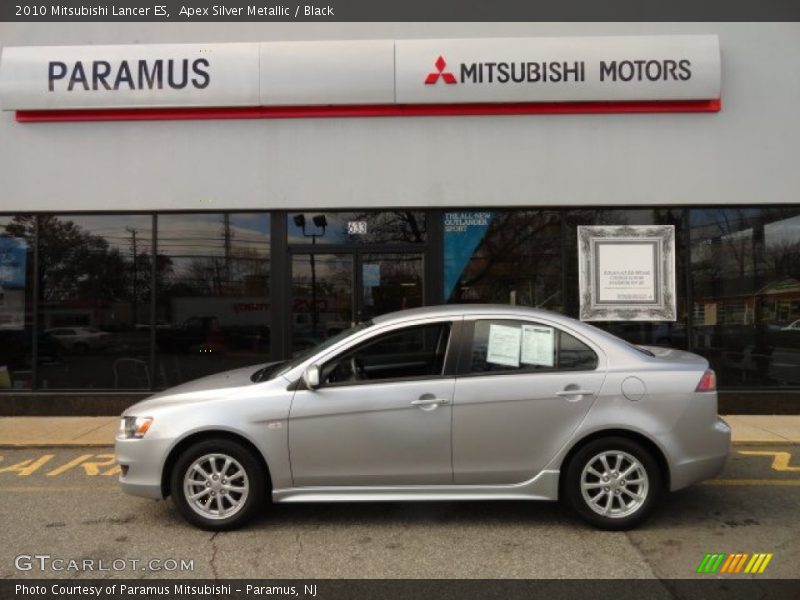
[613, 483]
[218, 484]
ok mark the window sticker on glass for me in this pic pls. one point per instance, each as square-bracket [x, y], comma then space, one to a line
[371, 274]
[503, 345]
[538, 345]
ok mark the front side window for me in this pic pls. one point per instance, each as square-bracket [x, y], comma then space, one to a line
[401, 354]
[507, 345]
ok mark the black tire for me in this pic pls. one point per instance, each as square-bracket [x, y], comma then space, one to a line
[256, 483]
[652, 485]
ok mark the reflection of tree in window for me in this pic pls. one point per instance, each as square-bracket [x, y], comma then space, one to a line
[519, 259]
[392, 226]
[76, 263]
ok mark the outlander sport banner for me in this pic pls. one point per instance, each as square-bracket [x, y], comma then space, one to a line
[368, 77]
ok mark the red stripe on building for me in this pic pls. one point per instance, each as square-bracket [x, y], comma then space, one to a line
[387, 110]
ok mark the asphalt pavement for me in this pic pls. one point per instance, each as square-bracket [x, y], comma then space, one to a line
[64, 503]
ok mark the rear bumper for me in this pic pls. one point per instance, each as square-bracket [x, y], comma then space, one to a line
[706, 464]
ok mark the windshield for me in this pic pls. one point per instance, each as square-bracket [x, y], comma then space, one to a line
[307, 353]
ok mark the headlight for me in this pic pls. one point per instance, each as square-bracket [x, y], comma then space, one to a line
[134, 427]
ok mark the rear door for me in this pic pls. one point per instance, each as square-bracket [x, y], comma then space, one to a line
[522, 390]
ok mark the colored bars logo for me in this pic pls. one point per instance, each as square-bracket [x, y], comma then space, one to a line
[740, 562]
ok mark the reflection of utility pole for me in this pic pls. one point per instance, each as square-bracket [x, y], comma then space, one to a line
[135, 302]
[226, 236]
[321, 223]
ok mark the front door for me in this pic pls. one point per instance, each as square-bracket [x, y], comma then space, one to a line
[381, 416]
[331, 290]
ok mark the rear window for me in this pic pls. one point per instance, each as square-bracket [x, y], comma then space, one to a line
[508, 345]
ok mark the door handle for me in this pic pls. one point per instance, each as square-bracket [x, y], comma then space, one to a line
[567, 393]
[430, 401]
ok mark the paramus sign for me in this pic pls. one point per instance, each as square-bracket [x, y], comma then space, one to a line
[367, 77]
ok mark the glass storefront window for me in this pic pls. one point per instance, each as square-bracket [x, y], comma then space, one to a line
[505, 257]
[322, 298]
[390, 282]
[94, 301]
[745, 270]
[97, 328]
[389, 227]
[213, 306]
[16, 305]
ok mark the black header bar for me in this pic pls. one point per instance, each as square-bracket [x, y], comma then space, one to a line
[398, 10]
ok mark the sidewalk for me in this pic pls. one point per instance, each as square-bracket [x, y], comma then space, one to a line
[100, 431]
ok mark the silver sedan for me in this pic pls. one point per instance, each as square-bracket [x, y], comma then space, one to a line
[443, 403]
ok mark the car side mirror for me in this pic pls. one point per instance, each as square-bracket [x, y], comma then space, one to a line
[311, 377]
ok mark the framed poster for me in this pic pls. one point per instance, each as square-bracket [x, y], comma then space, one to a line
[627, 273]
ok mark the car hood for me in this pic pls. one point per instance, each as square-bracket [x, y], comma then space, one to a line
[211, 387]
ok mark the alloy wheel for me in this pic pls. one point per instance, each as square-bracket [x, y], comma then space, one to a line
[614, 484]
[216, 486]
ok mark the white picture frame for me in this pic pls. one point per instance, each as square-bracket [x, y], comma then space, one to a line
[627, 273]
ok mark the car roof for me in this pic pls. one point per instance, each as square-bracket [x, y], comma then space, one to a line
[609, 340]
[448, 310]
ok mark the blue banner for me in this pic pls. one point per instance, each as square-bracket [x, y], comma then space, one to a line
[463, 233]
[13, 254]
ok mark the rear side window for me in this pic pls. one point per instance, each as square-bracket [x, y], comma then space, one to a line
[507, 345]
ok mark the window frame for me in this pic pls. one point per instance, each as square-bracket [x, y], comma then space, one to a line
[464, 368]
[451, 357]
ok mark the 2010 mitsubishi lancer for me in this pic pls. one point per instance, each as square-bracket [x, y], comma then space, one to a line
[473, 402]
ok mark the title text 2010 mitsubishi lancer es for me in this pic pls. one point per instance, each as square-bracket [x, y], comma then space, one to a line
[470, 402]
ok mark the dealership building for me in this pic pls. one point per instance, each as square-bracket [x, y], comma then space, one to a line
[179, 199]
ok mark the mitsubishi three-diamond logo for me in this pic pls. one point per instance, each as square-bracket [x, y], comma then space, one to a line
[446, 76]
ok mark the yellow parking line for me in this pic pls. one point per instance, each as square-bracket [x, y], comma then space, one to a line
[73, 488]
[780, 460]
[752, 482]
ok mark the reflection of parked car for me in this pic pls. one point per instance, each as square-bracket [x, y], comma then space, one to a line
[15, 348]
[196, 334]
[206, 335]
[794, 326]
[80, 339]
[146, 326]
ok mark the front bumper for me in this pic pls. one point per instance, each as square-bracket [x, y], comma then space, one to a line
[706, 463]
[142, 462]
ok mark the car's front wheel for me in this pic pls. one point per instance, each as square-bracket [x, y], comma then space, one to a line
[613, 483]
[218, 484]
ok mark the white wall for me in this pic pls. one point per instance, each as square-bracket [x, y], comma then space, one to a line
[748, 153]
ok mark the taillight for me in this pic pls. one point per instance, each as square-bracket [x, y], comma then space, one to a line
[708, 382]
